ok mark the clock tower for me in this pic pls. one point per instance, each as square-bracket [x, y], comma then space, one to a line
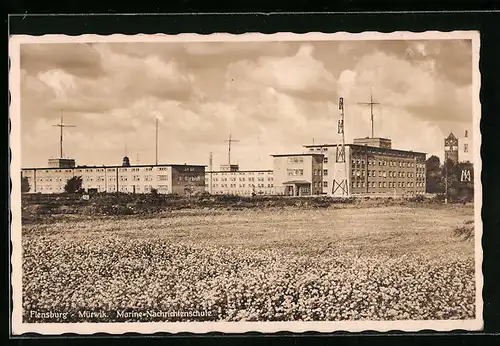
[451, 148]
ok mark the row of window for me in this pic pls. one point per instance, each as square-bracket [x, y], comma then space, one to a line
[189, 178]
[318, 150]
[295, 172]
[383, 174]
[244, 192]
[240, 179]
[101, 188]
[320, 172]
[402, 164]
[319, 184]
[295, 160]
[390, 184]
[241, 173]
[241, 185]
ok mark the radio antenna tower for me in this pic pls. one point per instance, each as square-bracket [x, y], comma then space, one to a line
[229, 141]
[210, 168]
[61, 125]
[340, 171]
[156, 141]
[371, 103]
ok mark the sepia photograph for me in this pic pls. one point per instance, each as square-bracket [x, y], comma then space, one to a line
[235, 183]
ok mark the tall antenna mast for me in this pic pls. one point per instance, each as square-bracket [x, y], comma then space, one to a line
[340, 180]
[210, 168]
[61, 125]
[371, 103]
[157, 141]
[229, 141]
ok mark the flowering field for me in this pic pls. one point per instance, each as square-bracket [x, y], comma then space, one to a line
[382, 263]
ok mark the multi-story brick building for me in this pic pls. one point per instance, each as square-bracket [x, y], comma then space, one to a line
[165, 178]
[373, 168]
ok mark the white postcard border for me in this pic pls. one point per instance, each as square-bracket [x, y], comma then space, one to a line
[18, 327]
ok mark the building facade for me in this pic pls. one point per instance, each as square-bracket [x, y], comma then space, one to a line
[178, 179]
[298, 174]
[241, 183]
[368, 167]
[372, 170]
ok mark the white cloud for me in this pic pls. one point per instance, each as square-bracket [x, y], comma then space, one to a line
[257, 91]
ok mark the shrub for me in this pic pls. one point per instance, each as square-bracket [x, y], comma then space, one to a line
[418, 198]
[73, 185]
[466, 232]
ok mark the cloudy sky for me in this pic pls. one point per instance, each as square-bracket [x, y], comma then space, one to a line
[273, 97]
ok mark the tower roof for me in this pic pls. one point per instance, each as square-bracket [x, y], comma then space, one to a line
[451, 136]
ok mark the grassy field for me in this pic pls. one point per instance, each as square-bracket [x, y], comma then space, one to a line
[348, 263]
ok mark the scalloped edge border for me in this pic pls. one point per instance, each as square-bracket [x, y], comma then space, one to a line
[18, 328]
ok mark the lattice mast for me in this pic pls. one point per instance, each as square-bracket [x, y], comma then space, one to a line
[339, 181]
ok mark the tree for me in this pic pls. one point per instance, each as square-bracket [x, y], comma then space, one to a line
[74, 185]
[458, 190]
[25, 185]
[434, 177]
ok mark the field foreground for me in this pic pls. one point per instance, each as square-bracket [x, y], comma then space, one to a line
[381, 263]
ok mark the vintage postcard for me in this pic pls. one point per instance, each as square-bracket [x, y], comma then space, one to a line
[235, 183]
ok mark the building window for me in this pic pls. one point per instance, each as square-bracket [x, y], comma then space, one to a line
[379, 184]
[325, 159]
[325, 184]
[162, 177]
[292, 172]
[295, 159]
[325, 172]
[384, 184]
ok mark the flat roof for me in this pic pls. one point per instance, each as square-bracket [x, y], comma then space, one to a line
[303, 154]
[359, 146]
[242, 171]
[296, 182]
[115, 166]
[382, 138]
